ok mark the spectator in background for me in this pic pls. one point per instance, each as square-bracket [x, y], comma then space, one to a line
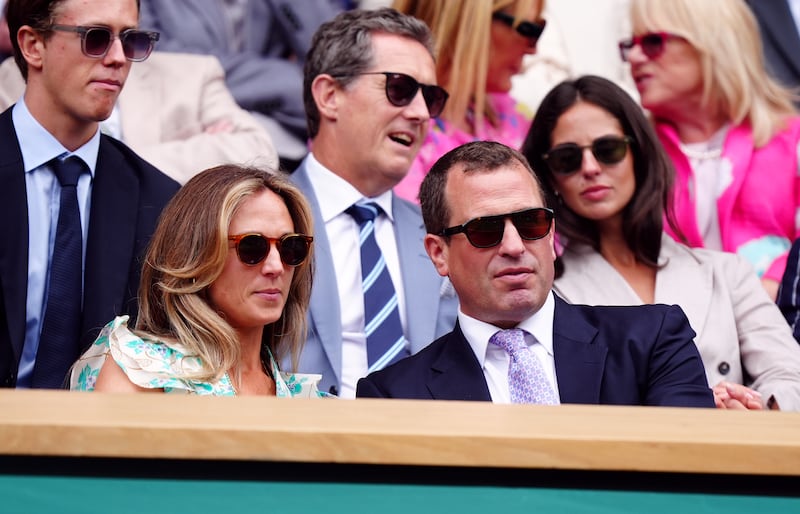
[789, 292]
[779, 21]
[730, 130]
[480, 47]
[515, 340]
[581, 39]
[606, 175]
[79, 206]
[369, 91]
[224, 293]
[262, 46]
[181, 130]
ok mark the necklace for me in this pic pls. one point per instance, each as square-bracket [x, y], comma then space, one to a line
[701, 155]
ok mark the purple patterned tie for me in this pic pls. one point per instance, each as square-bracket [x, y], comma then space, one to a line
[527, 381]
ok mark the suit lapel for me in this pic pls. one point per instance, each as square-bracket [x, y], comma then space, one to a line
[421, 283]
[580, 359]
[738, 151]
[111, 244]
[456, 374]
[324, 310]
[672, 280]
[14, 234]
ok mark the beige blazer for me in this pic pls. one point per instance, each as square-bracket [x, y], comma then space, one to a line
[740, 331]
[177, 113]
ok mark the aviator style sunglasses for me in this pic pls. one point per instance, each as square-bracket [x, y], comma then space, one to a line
[527, 29]
[567, 158]
[652, 44]
[487, 231]
[254, 248]
[401, 90]
[96, 41]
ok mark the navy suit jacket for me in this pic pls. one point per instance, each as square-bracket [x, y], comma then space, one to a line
[642, 355]
[127, 197]
[430, 307]
[780, 39]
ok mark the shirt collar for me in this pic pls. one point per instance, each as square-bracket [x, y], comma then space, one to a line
[42, 147]
[540, 325]
[335, 194]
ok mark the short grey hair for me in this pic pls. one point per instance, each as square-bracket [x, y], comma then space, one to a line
[342, 48]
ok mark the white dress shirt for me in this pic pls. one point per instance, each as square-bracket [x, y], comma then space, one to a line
[494, 361]
[335, 195]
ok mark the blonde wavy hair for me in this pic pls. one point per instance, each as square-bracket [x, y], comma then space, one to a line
[462, 31]
[187, 254]
[735, 81]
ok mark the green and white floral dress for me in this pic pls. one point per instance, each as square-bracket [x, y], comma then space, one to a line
[154, 364]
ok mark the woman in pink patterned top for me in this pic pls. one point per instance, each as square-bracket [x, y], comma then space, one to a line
[480, 47]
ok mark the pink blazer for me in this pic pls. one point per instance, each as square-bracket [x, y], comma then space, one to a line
[758, 212]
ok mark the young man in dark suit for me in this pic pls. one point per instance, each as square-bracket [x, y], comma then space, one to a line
[515, 340]
[70, 261]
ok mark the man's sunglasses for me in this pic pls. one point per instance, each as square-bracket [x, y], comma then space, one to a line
[95, 41]
[527, 29]
[254, 248]
[652, 44]
[401, 90]
[487, 231]
[567, 158]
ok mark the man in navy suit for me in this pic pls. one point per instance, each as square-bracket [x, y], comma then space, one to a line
[369, 93]
[75, 56]
[489, 232]
[779, 24]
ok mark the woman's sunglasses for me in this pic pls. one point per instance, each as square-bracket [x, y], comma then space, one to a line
[652, 44]
[487, 231]
[254, 248]
[95, 41]
[401, 90]
[567, 158]
[527, 29]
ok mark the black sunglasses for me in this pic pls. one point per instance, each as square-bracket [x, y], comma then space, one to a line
[567, 158]
[254, 248]
[401, 90]
[487, 231]
[652, 44]
[527, 29]
[95, 41]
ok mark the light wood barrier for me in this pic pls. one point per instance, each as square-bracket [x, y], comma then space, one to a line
[476, 456]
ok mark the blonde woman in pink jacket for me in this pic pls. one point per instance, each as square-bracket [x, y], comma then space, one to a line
[731, 131]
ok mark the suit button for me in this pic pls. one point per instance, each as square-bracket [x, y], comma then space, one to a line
[724, 368]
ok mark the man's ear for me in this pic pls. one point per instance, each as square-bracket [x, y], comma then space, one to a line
[437, 249]
[31, 45]
[326, 90]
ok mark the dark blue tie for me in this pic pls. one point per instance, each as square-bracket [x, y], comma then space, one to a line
[59, 343]
[385, 341]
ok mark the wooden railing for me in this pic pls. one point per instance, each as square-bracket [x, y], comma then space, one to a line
[396, 432]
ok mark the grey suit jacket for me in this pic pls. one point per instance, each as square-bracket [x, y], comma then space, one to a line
[430, 308]
[741, 334]
[261, 76]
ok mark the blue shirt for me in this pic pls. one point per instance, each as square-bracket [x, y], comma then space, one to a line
[38, 148]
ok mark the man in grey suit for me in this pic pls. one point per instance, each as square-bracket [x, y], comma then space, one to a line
[369, 94]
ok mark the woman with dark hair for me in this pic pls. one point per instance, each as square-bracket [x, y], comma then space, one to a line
[223, 296]
[608, 179]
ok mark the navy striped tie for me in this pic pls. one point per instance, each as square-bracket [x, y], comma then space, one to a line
[385, 341]
[59, 343]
